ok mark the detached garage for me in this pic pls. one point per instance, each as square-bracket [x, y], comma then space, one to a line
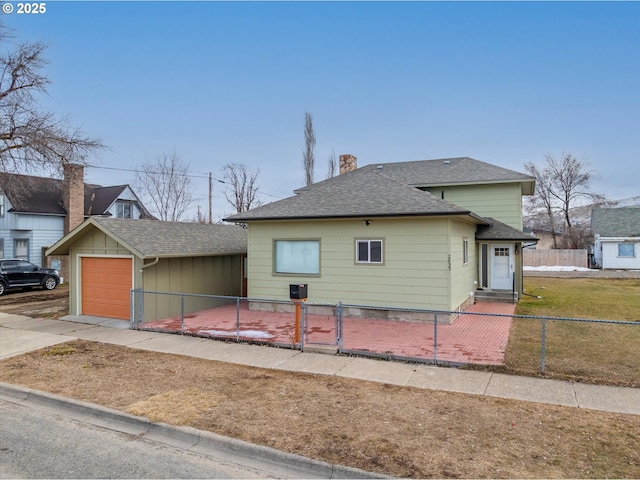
[110, 256]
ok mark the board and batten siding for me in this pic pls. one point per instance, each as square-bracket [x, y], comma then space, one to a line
[415, 272]
[94, 243]
[219, 275]
[502, 201]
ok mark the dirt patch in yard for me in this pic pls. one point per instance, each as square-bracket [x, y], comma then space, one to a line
[37, 302]
[400, 431]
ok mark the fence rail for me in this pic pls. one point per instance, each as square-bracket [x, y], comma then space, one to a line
[515, 342]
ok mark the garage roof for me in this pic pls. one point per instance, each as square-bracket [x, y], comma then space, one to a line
[153, 238]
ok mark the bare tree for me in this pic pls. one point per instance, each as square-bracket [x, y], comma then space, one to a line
[166, 184]
[31, 138]
[242, 186]
[308, 157]
[331, 171]
[560, 185]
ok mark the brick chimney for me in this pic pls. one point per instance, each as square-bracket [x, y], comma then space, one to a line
[348, 163]
[73, 196]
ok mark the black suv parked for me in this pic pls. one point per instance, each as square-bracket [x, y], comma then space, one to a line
[23, 274]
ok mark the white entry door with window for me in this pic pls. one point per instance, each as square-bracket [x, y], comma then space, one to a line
[502, 267]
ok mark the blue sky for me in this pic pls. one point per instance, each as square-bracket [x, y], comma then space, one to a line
[219, 82]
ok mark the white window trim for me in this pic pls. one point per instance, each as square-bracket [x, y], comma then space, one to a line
[369, 241]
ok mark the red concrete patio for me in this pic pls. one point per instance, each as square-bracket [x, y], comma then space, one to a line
[469, 339]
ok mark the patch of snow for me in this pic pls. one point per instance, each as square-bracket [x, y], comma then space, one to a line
[242, 333]
[556, 268]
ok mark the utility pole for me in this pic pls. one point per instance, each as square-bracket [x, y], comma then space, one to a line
[210, 199]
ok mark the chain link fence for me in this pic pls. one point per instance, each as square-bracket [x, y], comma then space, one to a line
[564, 347]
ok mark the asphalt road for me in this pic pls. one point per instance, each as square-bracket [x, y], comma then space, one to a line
[41, 443]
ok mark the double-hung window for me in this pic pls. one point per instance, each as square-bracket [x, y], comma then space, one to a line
[123, 209]
[368, 251]
[297, 257]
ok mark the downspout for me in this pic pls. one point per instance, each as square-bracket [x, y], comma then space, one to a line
[146, 265]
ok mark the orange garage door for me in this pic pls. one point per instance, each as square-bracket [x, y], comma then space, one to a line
[106, 285]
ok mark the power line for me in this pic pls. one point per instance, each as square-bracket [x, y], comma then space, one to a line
[262, 191]
[154, 173]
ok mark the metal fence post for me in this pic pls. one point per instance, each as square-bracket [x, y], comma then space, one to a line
[132, 307]
[339, 323]
[544, 343]
[237, 319]
[435, 336]
[182, 314]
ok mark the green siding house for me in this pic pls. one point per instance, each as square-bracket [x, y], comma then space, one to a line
[423, 234]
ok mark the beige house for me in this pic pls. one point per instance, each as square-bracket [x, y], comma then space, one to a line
[111, 256]
[424, 234]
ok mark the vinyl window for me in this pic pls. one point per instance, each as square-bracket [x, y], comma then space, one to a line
[465, 251]
[123, 210]
[368, 251]
[626, 250]
[297, 257]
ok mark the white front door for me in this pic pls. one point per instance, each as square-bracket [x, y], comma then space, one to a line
[502, 267]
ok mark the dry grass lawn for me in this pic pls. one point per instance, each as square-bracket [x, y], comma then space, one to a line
[395, 430]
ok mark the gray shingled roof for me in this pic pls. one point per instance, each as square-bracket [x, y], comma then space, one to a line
[616, 222]
[362, 193]
[446, 171]
[153, 238]
[497, 230]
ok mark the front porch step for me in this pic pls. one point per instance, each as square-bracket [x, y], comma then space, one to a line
[502, 296]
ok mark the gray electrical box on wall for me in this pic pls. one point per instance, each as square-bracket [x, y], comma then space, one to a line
[297, 291]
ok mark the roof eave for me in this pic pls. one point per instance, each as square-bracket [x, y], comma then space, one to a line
[527, 186]
[359, 215]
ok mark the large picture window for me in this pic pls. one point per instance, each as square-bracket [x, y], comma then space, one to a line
[297, 257]
[626, 250]
[368, 251]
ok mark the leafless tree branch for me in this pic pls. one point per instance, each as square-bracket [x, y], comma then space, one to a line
[166, 186]
[242, 186]
[560, 185]
[30, 138]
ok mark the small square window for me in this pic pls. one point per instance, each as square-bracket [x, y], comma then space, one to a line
[626, 250]
[368, 251]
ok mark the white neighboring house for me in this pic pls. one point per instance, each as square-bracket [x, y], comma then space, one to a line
[616, 238]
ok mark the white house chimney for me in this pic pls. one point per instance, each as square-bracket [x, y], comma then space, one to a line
[348, 163]
[73, 196]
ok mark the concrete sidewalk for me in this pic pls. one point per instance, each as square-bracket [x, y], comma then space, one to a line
[19, 334]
